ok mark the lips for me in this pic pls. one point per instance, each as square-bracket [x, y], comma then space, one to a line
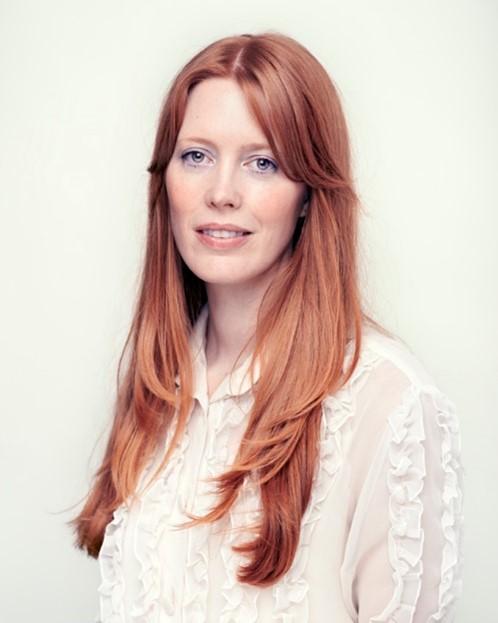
[223, 243]
[223, 226]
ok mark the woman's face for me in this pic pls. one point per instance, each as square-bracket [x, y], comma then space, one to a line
[223, 172]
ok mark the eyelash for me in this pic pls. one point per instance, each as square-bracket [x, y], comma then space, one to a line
[196, 151]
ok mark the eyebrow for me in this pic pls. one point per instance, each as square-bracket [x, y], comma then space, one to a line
[199, 139]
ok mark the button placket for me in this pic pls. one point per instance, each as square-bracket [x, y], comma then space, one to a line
[196, 577]
[200, 460]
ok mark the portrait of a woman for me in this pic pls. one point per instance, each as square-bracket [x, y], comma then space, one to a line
[276, 454]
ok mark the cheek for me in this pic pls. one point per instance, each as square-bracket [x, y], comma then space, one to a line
[281, 211]
[177, 202]
[180, 196]
[174, 188]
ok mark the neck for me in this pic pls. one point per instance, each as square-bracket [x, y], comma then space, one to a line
[232, 319]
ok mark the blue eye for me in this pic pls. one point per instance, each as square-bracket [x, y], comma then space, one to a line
[265, 170]
[198, 155]
[188, 153]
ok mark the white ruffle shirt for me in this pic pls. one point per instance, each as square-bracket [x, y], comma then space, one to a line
[381, 539]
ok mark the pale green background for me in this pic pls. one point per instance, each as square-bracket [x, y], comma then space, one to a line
[81, 88]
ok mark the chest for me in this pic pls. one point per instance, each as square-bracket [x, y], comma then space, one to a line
[194, 571]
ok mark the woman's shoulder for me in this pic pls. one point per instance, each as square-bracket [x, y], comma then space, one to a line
[389, 377]
[392, 401]
[385, 354]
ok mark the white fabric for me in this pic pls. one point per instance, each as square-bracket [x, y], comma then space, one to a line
[381, 539]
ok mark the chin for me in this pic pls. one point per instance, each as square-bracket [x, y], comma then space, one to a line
[222, 280]
[220, 271]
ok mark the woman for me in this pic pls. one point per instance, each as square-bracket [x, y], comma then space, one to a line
[275, 455]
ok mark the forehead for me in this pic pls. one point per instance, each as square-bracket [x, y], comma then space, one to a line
[217, 111]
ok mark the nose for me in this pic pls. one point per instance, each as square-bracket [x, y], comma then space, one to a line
[223, 191]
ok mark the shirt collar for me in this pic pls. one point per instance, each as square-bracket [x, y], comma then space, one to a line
[234, 384]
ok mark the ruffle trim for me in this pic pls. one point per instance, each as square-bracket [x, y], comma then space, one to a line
[291, 593]
[240, 600]
[405, 482]
[451, 585]
[111, 588]
[156, 600]
[152, 601]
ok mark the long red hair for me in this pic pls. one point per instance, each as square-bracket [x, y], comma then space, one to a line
[307, 315]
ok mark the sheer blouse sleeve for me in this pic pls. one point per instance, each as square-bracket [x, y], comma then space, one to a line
[403, 556]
